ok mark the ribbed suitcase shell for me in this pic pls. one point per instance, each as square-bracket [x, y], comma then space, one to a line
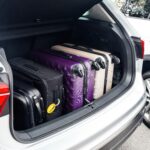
[100, 75]
[73, 84]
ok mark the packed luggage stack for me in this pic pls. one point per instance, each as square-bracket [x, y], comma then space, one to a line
[56, 81]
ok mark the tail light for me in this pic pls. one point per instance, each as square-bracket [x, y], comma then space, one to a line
[143, 48]
[4, 95]
[139, 46]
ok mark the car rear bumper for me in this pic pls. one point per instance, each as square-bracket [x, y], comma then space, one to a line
[94, 132]
[123, 136]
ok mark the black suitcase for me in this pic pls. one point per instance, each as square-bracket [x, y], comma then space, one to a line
[47, 81]
[28, 106]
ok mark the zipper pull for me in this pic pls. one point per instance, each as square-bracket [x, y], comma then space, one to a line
[52, 107]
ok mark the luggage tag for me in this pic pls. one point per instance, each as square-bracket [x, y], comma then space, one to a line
[52, 107]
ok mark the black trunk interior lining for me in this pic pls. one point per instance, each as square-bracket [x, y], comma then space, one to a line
[15, 13]
[99, 35]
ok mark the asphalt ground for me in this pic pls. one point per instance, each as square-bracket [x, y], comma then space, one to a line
[139, 140]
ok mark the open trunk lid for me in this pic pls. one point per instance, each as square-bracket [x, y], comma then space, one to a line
[15, 13]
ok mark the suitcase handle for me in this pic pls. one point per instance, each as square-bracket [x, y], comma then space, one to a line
[38, 107]
[31, 67]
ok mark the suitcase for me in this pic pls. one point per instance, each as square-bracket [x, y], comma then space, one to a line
[77, 79]
[47, 81]
[28, 106]
[89, 68]
[112, 60]
[100, 77]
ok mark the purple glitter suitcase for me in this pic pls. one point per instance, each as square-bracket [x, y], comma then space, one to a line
[79, 76]
[89, 68]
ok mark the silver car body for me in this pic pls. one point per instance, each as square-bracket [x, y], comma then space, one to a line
[96, 130]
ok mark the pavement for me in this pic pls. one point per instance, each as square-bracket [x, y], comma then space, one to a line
[139, 140]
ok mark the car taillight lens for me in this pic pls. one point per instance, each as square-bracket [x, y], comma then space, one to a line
[143, 48]
[4, 95]
[139, 46]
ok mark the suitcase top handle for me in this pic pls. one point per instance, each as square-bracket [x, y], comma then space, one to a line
[31, 67]
[37, 103]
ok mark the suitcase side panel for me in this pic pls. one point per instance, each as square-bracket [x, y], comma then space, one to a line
[99, 84]
[110, 78]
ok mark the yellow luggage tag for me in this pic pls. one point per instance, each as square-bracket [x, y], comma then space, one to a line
[51, 108]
